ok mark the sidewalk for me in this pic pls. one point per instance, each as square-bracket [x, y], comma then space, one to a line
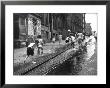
[20, 54]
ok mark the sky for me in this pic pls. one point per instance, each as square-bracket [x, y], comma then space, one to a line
[92, 18]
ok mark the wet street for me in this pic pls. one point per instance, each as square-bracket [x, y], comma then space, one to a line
[20, 54]
[90, 66]
[55, 44]
[82, 67]
[82, 64]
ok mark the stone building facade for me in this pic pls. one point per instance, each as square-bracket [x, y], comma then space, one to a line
[75, 22]
[30, 25]
[47, 25]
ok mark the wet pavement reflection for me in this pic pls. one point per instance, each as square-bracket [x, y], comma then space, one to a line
[84, 64]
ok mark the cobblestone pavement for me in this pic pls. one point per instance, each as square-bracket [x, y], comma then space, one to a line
[20, 54]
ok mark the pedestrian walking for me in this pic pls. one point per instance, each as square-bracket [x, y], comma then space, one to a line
[30, 49]
[53, 39]
[67, 39]
[72, 39]
[60, 38]
[36, 42]
[27, 42]
[40, 45]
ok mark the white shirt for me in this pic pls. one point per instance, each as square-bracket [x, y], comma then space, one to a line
[40, 42]
[53, 39]
[90, 47]
[92, 39]
[67, 38]
[80, 35]
[60, 36]
[31, 44]
[72, 38]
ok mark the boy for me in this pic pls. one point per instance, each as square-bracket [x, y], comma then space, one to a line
[30, 49]
[40, 45]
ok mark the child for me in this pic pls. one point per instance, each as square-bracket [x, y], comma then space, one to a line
[30, 49]
[53, 39]
[67, 39]
[40, 44]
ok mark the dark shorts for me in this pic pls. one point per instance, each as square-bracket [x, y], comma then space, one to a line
[67, 41]
[30, 51]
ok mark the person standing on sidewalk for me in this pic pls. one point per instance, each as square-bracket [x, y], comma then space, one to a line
[72, 38]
